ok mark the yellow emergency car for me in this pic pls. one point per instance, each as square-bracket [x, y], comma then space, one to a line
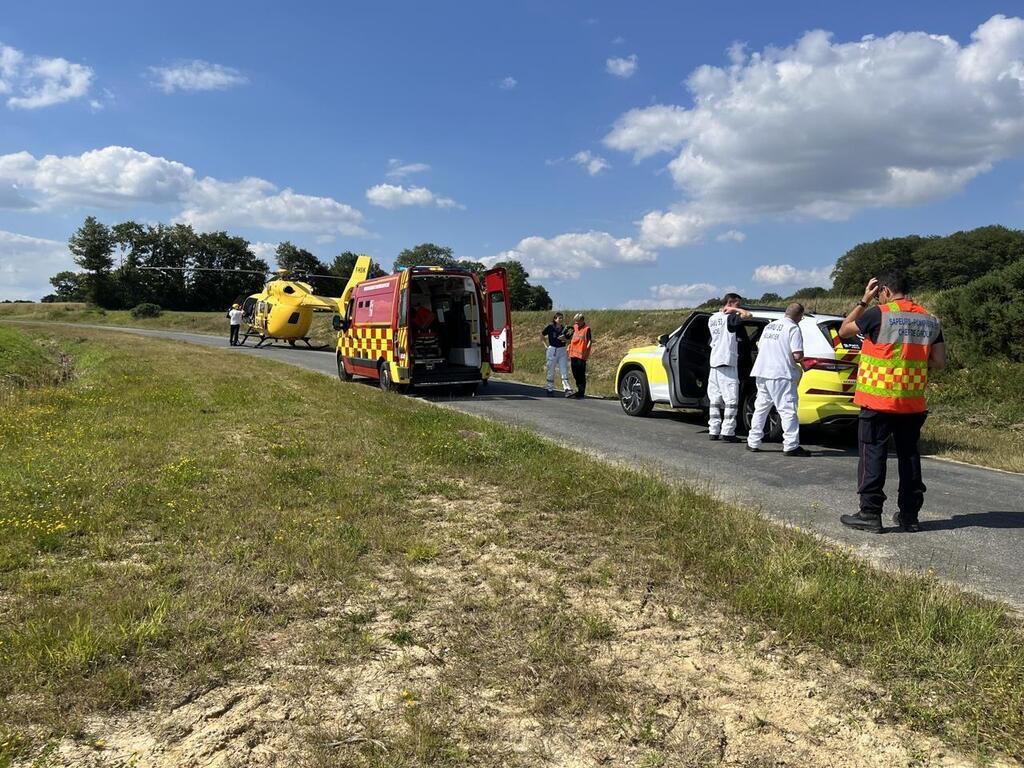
[675, 370]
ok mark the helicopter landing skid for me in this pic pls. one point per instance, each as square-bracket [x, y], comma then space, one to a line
[305, 340]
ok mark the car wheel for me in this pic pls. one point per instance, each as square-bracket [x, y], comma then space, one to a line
[772, 427]
[634, 394]
[343, 374]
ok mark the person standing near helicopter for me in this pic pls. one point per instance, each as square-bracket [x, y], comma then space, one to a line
[235, 316]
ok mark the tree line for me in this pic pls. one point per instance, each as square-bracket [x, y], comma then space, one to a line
[978, 276]
[175, 267]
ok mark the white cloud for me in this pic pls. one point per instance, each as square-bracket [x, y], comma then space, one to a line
[567, 256]
[120, 177]
[508, 83]
[27, 264]
[622, 67]
[666, 296]
[593, 164]
[823, 129]
[36, 81]
[398, 170]
[397, 196]
[105, 177]
[732, 236]
[256, 202]
[672, 228]
[787, 274]
[265, 251]
[196, 75]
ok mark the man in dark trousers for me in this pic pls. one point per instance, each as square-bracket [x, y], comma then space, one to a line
[579, 351]
[235, 317]
[902, 343]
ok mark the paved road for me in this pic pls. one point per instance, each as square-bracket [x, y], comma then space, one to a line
[973, 518]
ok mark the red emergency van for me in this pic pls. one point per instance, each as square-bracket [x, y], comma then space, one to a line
[426, 327]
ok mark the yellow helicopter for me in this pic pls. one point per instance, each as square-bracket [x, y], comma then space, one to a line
[283, 310]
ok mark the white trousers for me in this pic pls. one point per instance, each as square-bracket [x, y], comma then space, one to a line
[558, 356]
[782, 394]
[724, 395]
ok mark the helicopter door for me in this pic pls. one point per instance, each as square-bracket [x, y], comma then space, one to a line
[499, 319]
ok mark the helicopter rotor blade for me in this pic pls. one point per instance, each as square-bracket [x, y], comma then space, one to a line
[208, 269]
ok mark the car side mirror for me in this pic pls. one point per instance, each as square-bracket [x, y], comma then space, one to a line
[663, 339]
[337, 324]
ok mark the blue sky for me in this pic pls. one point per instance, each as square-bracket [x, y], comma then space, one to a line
[582, 138]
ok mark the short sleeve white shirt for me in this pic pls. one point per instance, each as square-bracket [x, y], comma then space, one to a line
[235, 316]
[723, 343]
[779, 340]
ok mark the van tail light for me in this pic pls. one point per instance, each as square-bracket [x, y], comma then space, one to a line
[824, 364]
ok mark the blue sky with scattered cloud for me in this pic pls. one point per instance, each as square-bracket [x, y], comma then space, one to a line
[630, 155]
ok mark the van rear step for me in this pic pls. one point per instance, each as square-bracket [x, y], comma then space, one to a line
[445, 375]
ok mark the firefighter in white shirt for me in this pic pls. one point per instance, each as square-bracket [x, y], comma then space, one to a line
[723, 377]
[777, 370]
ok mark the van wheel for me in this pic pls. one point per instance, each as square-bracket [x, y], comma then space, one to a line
[772, 427]
[634, 394]
[384, 377]
[343, 374]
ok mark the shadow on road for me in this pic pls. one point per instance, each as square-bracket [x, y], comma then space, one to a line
[977, 520]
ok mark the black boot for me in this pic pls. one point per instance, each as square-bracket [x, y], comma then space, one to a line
[906, 524]
[863, 521]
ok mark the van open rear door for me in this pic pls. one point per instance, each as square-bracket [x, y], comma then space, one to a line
[499, 319]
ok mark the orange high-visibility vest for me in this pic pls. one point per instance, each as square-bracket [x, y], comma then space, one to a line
[579, 346]
[893, 372]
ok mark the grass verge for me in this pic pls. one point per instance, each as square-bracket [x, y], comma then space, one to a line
[26, 363]
[977, 414]
[160, 515]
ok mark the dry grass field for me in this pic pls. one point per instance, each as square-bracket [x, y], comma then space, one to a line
[193, 572]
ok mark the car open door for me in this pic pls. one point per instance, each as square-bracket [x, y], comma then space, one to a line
[687, 360]
[499, 320]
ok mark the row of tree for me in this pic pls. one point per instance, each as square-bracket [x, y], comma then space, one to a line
[128, 264]
[932, 263]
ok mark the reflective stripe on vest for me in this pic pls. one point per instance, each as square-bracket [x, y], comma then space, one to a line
[893, 371]
[579, 347]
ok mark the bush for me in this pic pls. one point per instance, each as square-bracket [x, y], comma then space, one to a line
[146, 310]
[985, 317]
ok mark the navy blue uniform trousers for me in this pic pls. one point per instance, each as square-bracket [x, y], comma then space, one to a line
[873, 432]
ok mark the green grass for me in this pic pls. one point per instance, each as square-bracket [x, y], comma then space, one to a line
[26, 363]
[976, 414]
[159, 515]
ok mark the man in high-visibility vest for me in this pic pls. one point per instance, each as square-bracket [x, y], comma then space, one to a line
[902, 342]
[579, 351]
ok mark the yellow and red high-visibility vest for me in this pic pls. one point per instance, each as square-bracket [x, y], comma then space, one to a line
[579, 346]
[893, 372]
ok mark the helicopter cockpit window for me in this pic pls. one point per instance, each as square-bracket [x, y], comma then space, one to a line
[293, 319]
[288, 289]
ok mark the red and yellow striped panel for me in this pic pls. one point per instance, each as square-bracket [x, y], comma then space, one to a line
[368, 342]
